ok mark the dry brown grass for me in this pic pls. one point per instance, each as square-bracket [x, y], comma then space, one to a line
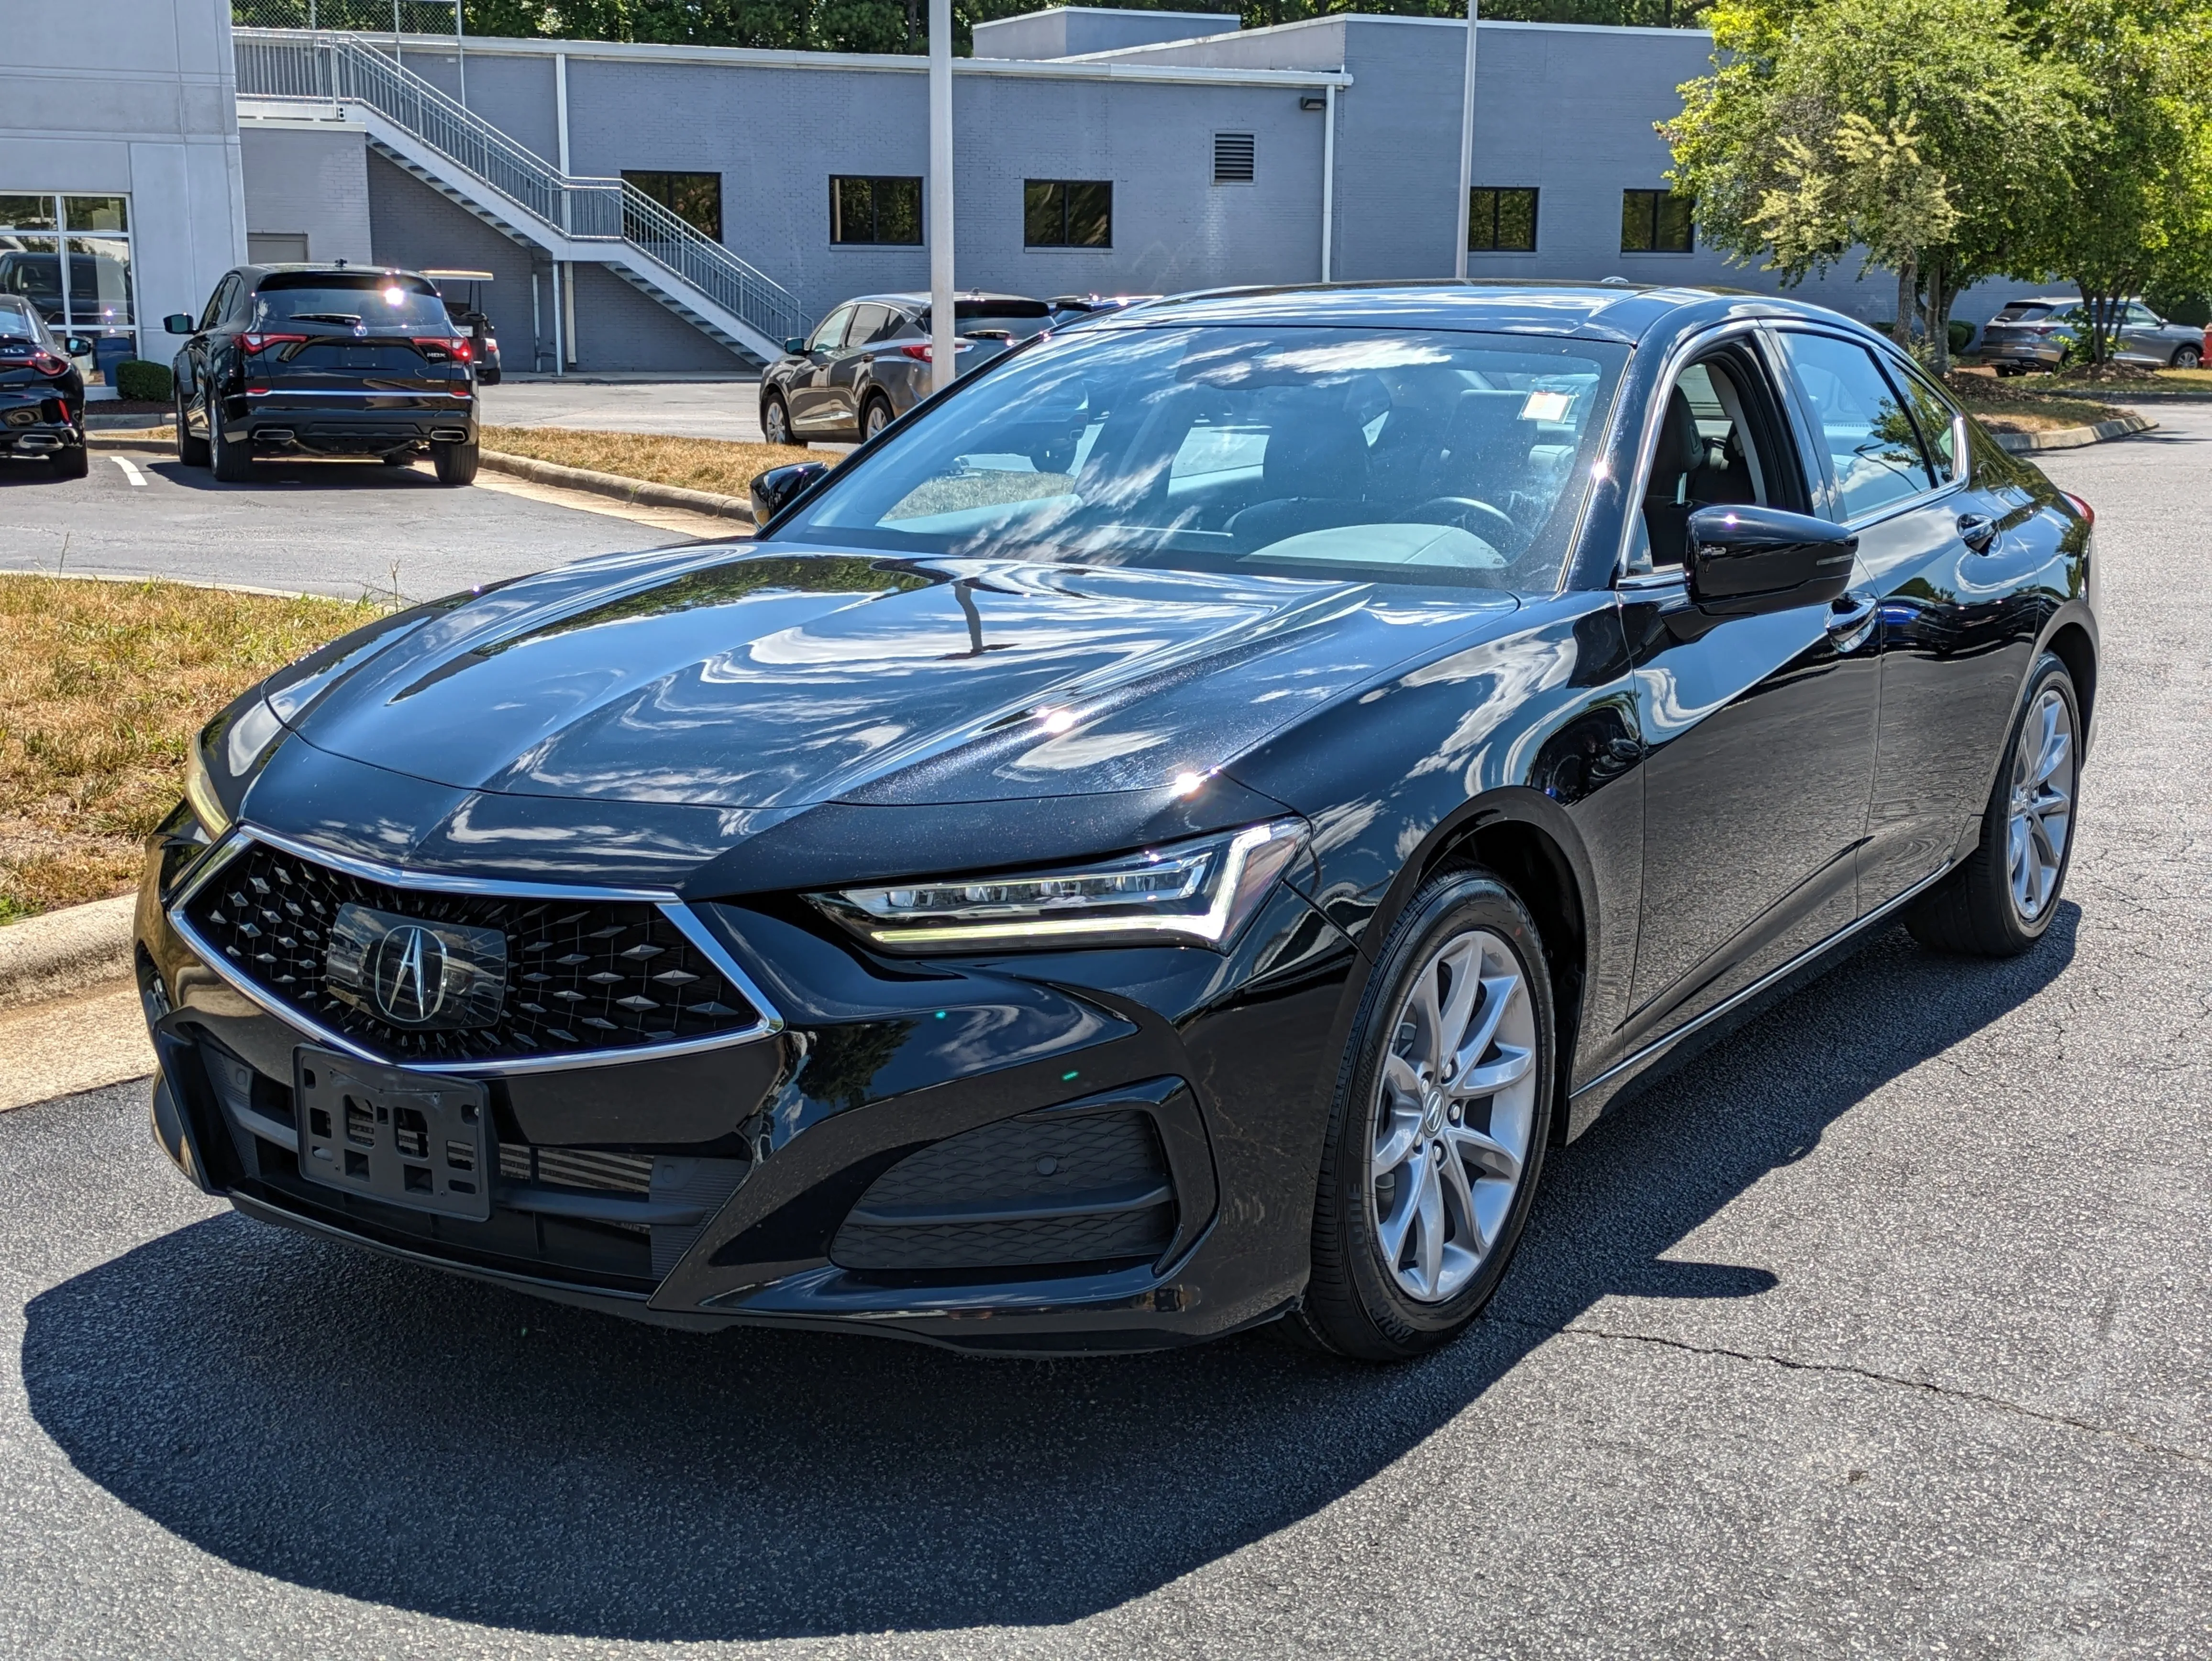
[2015, 406]
[695, 464]
[101, 685]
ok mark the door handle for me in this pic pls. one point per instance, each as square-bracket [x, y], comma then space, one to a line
[1977, 530]
[1850, 620]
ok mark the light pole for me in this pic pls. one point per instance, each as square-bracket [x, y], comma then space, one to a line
[942, 333]
[1466, 147]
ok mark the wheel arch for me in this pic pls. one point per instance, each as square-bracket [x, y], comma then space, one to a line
[2071, 644]
[1524, 838]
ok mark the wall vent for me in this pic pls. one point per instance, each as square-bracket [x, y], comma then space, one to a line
[1233, 158]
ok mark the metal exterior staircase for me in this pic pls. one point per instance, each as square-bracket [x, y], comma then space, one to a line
[466, 159]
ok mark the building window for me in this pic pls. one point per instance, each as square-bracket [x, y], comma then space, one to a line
[694, 198]
[1501, 221]
[70, 256]
[1067, 213]
[1656, 222]
[875, 209]
[1233, 158]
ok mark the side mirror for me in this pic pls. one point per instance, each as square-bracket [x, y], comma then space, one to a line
[178, 322]
[796, 345]
[1746, 560]
[774, 490]
[77, 345]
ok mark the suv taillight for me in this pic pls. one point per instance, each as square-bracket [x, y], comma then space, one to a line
[458, 349]
[254, 343]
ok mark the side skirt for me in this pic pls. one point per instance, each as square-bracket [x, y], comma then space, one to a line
[1662, 1056]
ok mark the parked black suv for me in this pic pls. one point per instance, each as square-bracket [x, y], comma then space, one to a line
[867, 362]
[41, 390]
[324, 361]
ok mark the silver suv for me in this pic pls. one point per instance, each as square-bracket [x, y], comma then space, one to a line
[2028, 335]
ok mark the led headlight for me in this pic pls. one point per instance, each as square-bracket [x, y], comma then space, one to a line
[200, 794]
[1191, 893]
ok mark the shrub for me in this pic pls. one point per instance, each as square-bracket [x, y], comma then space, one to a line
[1962, 334]
[141, 380]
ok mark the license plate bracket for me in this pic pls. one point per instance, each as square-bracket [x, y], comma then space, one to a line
[406, 1138]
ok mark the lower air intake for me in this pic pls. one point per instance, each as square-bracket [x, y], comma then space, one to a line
[1047, 1189]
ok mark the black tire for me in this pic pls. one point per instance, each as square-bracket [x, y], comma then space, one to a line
[875, 415]
[233, 462]
[2188, 357]
[456, 463]
[1355, 1304]
[1975, 912]
[190, 451]
[72, 461]
[775, 422]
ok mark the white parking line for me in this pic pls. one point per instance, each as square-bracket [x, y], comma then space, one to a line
[130, 469]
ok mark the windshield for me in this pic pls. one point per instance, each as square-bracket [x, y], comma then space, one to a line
[373, 299]
[1422, 456]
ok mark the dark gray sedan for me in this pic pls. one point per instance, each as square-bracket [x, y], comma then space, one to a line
[2027, 336]
[868, 362]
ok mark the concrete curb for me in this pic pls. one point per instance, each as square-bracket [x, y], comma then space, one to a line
[59, 952]
[112, 438]
[2074, 438]
[636, 490]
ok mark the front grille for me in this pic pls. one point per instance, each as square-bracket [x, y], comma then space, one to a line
[1045, 1189]
[577, 1167]
[581, 975]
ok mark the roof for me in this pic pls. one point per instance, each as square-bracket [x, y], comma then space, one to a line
[962, 298]
[1612, 309]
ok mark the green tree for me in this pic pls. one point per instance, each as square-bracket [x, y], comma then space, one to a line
[1924, 132]
[2132, 211]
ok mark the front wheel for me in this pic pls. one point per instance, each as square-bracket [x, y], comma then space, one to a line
[2188, 357]
[456, 463]
[2000, 902]
[1443, 1108]
[775, 423]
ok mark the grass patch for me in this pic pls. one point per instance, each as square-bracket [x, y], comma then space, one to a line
[2022, 403]
[101, 685]
[695, 464]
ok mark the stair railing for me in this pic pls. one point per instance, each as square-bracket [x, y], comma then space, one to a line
[342, 68]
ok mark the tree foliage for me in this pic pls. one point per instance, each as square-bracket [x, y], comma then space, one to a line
[1922, 131]
[1954, 140]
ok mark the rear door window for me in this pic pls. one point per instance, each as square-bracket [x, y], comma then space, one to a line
[1873, 449]
[867, 325]
[1938, 420]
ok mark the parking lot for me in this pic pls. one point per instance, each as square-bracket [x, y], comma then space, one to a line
[333, 527]
[1881, 1331]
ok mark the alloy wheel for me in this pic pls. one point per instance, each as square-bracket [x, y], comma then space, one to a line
[776, 424]
[2041, 815]
[1455, 1102]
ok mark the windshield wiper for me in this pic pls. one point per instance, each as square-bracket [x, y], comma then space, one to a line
[326, 317]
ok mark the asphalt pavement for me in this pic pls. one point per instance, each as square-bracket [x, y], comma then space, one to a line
[690, 406]
[1882, 1331]
[333, 527]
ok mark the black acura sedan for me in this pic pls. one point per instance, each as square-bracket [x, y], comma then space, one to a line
[324, 361]
[1163, 841]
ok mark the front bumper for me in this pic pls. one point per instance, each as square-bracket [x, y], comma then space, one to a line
[879, 1076]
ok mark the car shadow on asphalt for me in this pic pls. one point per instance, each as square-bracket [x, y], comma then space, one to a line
[295, 476]
[390, 1434]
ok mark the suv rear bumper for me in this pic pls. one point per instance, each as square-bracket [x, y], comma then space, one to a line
[319, 426]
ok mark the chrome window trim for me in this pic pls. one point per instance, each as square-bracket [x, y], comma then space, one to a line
[679, 915]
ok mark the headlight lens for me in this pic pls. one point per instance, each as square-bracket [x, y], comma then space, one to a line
[200, 793]
[1191, 893]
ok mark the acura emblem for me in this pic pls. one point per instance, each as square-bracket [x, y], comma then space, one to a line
[407, 975]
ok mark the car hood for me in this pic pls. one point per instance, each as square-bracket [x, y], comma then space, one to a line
[775, 680]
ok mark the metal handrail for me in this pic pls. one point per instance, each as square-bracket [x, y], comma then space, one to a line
[342, 68]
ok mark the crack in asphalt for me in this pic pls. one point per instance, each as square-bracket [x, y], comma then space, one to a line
[1947, 1392]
